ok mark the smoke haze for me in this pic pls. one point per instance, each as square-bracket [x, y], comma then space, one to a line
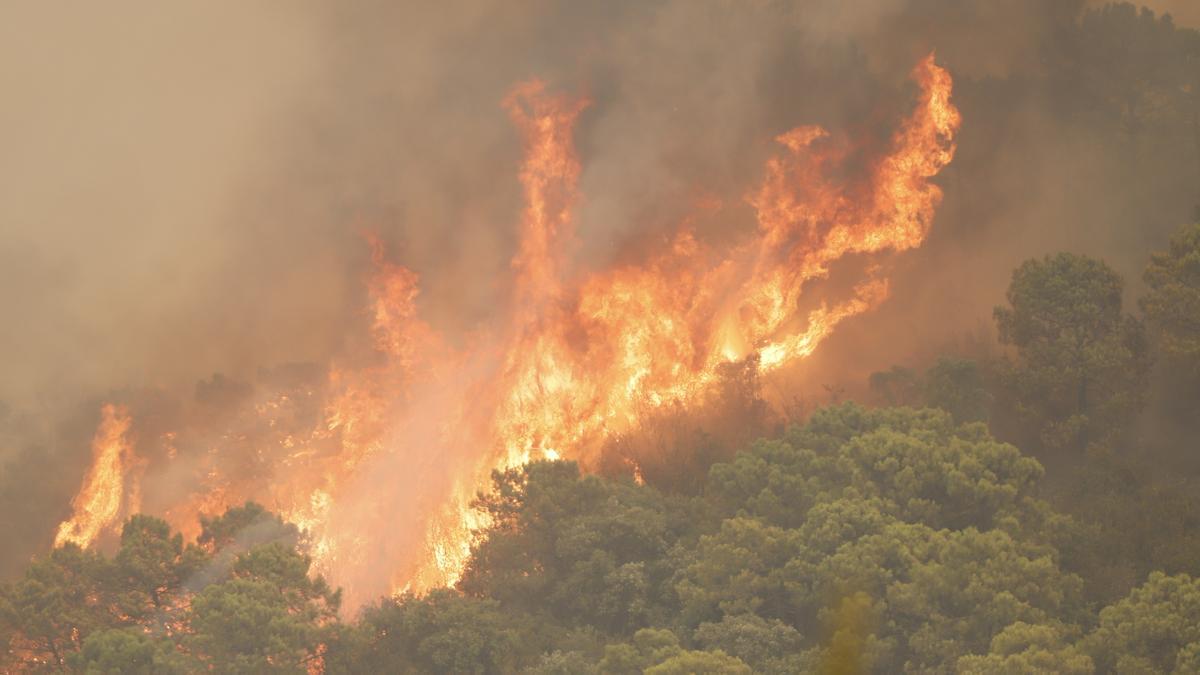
[183, 186]
[183, 189]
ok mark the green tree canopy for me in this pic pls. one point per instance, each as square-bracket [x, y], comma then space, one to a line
[443, 632]
[59, 600]
[1082, 364]
[161, 606]
[153, 566]
[1156, 629]
[1172, 301]
[585, 549]
[130, 651]
[935, 525]
[957, 386]
[1030, 648]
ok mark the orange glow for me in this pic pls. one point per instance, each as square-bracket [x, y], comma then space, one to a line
[99, 502]
[657, 333]
[383, 482]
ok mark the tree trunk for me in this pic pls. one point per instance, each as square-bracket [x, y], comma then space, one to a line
[58, 659]
[1083, 410]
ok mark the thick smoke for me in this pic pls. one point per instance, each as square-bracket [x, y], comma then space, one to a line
[132, 132]
[1185, 12]
[184, 189]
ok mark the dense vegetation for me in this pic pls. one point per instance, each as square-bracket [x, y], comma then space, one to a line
[1037, 510]
[894, 539]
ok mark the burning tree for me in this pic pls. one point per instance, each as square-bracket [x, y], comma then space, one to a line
[579, 362]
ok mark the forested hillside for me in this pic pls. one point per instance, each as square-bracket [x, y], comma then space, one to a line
[890, 539]
[883, 540]
[1027, 501]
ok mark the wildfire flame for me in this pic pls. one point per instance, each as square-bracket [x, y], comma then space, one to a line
[99, 501]
[580, 358]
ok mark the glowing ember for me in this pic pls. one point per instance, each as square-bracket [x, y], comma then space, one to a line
[383, 482]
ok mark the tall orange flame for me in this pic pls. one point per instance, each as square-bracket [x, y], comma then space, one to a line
[384, 482]
[99, 501]
[658, 333]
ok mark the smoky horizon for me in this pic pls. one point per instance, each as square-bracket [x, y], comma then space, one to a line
[711, 335]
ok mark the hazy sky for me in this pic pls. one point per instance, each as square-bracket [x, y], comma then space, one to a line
[181, 184]
[129, 129]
